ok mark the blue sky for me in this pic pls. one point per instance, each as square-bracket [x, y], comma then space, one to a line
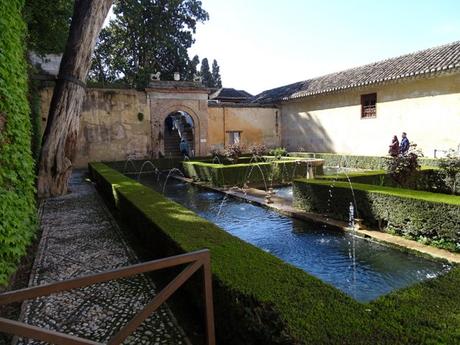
[264, 44]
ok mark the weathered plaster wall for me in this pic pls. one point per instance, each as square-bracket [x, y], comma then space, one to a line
[258, 125]
[427, 109]
[109, 126]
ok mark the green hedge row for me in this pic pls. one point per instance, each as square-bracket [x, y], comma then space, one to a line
[276, 171]
[357, 161]
[17, 194]
[259, 299]
[407, 212]
[426, 179]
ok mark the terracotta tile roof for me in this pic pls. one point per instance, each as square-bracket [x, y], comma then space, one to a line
[425, 62]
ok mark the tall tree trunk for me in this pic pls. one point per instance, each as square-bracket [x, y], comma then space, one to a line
[60, 137]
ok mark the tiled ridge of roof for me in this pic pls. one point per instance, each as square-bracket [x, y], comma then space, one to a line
[424, 62]
[226, 92]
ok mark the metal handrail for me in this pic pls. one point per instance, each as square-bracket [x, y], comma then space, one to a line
[195, 261]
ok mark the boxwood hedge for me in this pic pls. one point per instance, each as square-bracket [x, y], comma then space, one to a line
[259, 299]
[17, 200]
[276, 171]
[357, 161]
[408, 212]
[425, 179]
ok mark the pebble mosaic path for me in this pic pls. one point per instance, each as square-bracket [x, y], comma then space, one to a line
[81, 237]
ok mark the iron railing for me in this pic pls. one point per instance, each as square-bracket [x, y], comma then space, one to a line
[195, 261]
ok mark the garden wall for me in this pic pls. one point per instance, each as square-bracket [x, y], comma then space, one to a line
[417, 214]
[17, 194]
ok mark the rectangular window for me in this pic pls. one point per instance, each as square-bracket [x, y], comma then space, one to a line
[234, 137]
[369, 106]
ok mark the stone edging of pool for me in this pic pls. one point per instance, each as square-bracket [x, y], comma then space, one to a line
[285, 207]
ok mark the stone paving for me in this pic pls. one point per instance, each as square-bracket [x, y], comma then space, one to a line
[80, 237]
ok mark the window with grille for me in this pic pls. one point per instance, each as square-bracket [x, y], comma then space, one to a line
[369, 106]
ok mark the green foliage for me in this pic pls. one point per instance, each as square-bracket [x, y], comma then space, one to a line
[407, 212]
[450, 168]
[259, 299]
[205, 73]
[425, 179]
[35, 118]
[233, 152]
[258, 150]
[140, 116]
[403, 167]
[146, 37]
[17, 203]
[193, 68]
[278, 152]
[274, 171]
[216, 78]
[357, 161]
[48, 24]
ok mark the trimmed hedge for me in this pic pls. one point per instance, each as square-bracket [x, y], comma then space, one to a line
[357, 161]
[407, 212]
[134, 165]
[426, 179]
[17, 200]
[276, 171]
[259, 299]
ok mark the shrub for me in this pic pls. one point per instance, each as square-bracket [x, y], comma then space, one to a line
[278, 152]
[403, 167]
[406, 212]
[233, 152]
[358, 161]
[450, 169]
[215, 152]
[17, 200]
[258, 150]
[425, 179]
[279, 171]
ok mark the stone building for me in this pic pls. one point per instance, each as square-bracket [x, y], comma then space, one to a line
[355, 111]
[358, 110]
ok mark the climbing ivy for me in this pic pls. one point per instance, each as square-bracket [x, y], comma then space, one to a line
[17, 194]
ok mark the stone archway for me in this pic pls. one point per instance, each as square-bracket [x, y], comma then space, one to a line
[183, 98]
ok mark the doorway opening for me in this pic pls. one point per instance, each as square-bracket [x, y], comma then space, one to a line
[179, 127]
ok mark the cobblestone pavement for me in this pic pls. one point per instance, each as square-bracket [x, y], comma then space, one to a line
[81, 237]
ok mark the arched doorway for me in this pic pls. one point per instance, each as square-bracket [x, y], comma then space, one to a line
[178, 125]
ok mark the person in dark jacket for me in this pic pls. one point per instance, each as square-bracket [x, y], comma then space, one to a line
[394, 147]
[404, 146]
[183, 146]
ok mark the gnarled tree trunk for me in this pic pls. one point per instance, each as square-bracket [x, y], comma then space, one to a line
[60, 137]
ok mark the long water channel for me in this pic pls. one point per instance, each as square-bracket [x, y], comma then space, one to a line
[325, 253]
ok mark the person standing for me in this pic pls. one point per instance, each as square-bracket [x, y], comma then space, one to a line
[404, 146]
[184, 149]
[394, 147]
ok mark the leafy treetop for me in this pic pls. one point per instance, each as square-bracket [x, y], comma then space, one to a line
[145, 37]
[48, 24]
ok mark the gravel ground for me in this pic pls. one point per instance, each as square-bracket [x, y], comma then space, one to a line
[80, 237]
